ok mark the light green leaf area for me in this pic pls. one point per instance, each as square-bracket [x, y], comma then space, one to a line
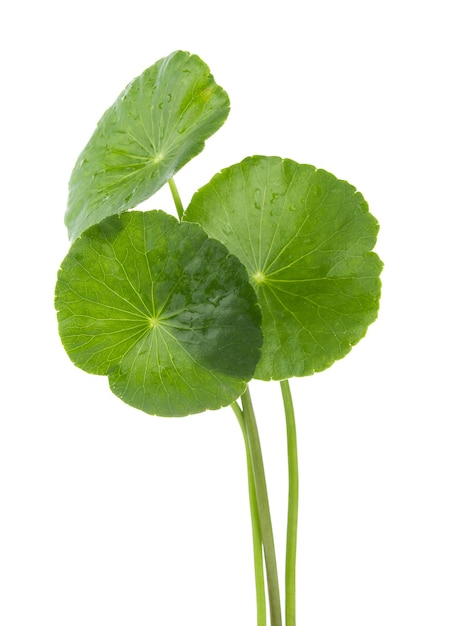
[158, 123]
[165, 312]
[305, 238]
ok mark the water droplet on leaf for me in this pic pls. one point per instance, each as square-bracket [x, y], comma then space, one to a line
[257, 197]
[317, 191]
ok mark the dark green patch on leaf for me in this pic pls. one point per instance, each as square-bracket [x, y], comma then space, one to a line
[305, 238]
[158, 123]
[165, 312]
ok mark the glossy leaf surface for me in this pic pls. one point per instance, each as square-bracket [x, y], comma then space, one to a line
[158, 123]
[165, 312]
[305, 238]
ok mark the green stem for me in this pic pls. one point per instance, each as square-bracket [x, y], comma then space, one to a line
[292, 519]
[263, 510]
[176, 196]
[256, 532]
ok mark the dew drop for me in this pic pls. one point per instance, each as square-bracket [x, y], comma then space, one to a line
[317, 191]
[274, 198]
[160, 105]
[169, 97]
[257, 197]
[291, 208]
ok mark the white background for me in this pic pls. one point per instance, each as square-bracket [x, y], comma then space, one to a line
[112, 517]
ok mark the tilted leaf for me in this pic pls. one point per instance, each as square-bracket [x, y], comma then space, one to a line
[165, 312]
[158, 123]
[305, 238]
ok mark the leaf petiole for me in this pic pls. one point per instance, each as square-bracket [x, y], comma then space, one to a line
[292, 518]
[256, 531]
[263, 509]
[254, 513]
[177, 199]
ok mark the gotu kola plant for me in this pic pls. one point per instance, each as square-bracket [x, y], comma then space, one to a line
[268, 274]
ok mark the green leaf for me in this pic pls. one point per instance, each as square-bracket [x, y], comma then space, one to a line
[165, 312]
[305, 238]
[158, 123]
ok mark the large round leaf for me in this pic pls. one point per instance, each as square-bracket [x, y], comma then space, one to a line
[305, 238]
[167, 313]
[157, 124]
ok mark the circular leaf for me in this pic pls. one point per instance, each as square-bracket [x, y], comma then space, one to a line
[165, 312]
[305, 238]
[157, 124]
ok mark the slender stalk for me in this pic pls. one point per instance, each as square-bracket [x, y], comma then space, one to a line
[292, 519]
[176, 196]
[263, 510]
[256, 532]
[262, 532]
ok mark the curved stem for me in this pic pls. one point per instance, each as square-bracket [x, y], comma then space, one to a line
[176, 196]
[263, 510]
[292, 519]
[256, 532]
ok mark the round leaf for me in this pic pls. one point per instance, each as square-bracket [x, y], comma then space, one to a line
[305, 238]
[158, 123]
[165, 312]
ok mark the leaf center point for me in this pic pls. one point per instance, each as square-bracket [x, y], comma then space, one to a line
[259, 277]
[158, 158]
[153, 322]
